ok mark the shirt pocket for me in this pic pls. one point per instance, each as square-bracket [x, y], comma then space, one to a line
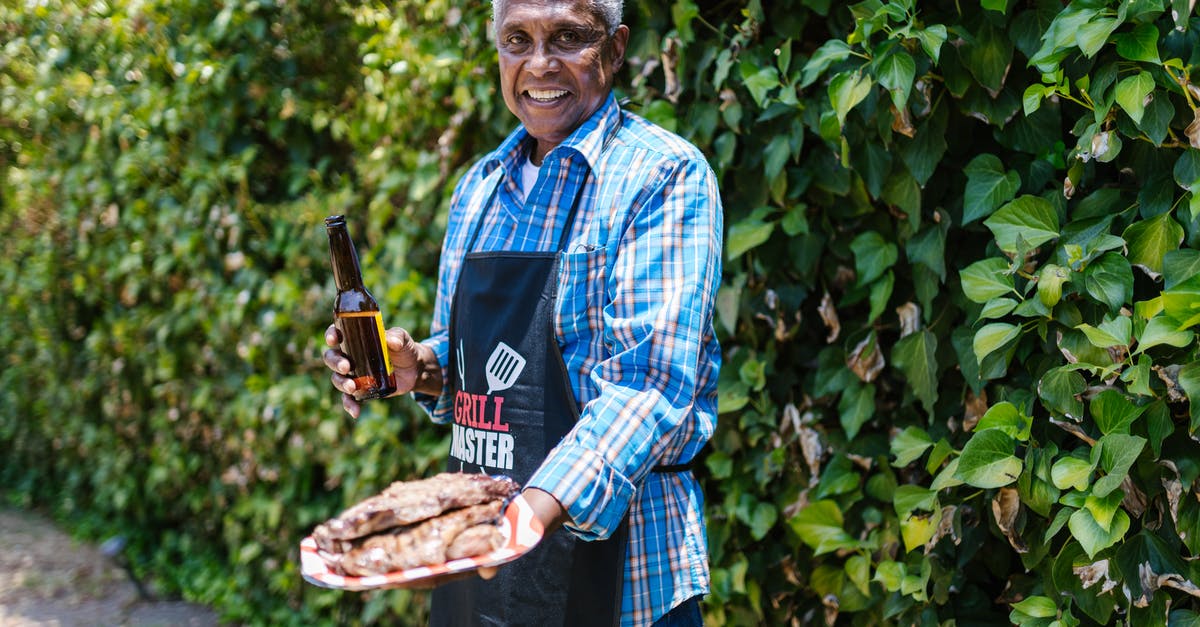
[582, 281]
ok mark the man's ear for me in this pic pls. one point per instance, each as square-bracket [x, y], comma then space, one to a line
[617, 43]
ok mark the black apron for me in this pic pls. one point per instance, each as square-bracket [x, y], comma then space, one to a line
[512, 404]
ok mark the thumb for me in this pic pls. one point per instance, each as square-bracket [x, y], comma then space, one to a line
[487, 572]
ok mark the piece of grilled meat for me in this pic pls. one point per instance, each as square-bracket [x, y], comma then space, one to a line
[408, 502]
[421, 544]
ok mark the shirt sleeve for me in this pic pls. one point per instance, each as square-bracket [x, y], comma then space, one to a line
[657, 325]
[441, 407]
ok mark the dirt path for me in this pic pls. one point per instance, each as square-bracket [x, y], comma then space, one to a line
[47, 578]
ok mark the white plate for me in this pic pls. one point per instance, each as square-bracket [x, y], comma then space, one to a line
[519, 529]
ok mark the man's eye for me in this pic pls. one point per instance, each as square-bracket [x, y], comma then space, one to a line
[516, 40]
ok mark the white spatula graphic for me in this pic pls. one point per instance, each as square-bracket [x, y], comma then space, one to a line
[503, 368]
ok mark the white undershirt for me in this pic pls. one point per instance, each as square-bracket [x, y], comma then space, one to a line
[529, 174]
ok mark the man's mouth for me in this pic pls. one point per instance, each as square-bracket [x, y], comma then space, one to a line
[545, 95]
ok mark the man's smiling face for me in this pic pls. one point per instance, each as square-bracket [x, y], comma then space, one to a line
[556, 65]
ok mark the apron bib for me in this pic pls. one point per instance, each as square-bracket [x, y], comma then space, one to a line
[512, 404]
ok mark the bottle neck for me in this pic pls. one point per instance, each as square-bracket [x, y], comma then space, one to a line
[347, 273]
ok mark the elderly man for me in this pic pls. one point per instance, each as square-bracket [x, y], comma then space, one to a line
[572, 344]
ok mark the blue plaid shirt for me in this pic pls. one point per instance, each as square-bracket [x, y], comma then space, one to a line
[634, 320]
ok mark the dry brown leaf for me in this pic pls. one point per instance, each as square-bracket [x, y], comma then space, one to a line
[670, 59]
[1074, 430]
[866, 360]
[832, 605]
[829, 316]
[1174, 490]
[813, 451]
[974, 407]
[910, 318]
[1006, 506]
[1135, 500]
[1193, 130]
[1092, 573]
[1170, 376]
[945, 528]
[902, 122]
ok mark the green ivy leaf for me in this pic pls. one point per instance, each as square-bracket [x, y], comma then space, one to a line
[821, 527]
[1131, 94]
[749, 232]
[1189, 380]
[1094, 538]
[1032, 219]
[759, 82]
[1114, 412]
[1072, 472]
[832, 51]
[896, 73]
[991, 337]
[1060, 390]
[1161, 331]
[997, 308]
[873, 255]
[1037, 607]
[856, 407]
[917, 529]
[916, 356]
[988, 56]
[1092, 35]
[1007, 418]
[931, 38]
[1150, 240]
[1182, 302]
[846, 90]
[925, 151]
[776, 155]
[987, 279]
[1109, 280]
[989, 186]
[1112, 332]
[1118, 451]
[1104, 509]
[1179, 266]
[1141, 44]
[909, 445]
[908, 498]
[988, 460]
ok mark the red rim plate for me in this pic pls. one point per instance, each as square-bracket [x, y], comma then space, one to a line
[519, 529]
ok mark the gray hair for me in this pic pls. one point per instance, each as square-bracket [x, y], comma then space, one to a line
[609, 11]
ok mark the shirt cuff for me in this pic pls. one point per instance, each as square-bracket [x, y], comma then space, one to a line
[441, 407]
[595, 495]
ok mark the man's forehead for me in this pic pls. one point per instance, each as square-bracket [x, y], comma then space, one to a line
[517, 12]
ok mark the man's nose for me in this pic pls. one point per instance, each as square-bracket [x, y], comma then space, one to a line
[542, 59]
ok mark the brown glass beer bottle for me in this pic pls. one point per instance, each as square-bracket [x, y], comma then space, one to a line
[356, 316]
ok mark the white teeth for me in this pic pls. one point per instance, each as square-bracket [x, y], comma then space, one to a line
[538, 94]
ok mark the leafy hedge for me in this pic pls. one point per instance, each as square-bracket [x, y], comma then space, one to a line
[959, 311]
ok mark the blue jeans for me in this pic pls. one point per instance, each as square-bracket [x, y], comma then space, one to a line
[686, 614]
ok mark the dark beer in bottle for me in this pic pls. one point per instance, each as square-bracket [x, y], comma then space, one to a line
[356, 316]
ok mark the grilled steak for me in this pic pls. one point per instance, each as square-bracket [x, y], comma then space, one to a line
[478, 540]
[418, 545]
[416, 523]
[408, 502]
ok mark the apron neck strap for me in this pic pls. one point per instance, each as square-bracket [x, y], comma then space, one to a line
[566, 231]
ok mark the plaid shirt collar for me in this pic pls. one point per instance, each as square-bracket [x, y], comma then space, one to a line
[588, 141]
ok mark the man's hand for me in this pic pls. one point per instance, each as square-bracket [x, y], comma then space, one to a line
[546, 509]
[414, 366]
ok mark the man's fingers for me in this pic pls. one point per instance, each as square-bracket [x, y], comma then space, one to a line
[336, 361]
[487, 572]
[332, 337]
[350, 405]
